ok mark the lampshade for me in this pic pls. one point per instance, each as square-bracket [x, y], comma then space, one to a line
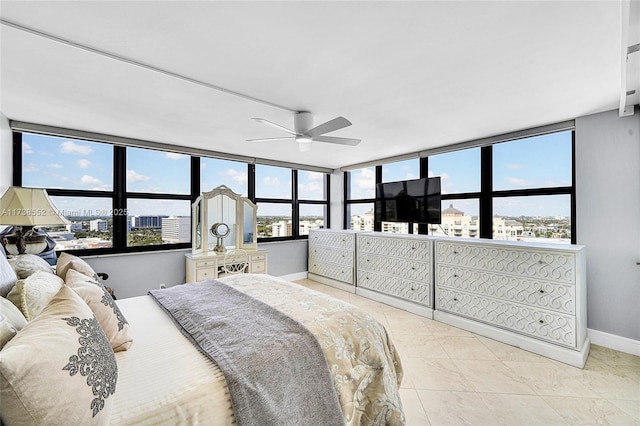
[29, 207]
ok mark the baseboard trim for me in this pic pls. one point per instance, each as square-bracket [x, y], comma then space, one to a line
[611, 341]
[294, 277]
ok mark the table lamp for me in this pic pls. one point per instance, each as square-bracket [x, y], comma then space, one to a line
[24, 209]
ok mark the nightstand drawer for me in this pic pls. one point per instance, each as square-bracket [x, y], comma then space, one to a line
[205, 274]
[206, 263]
[258, 267]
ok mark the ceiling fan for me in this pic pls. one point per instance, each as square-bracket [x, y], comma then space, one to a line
[304, 133]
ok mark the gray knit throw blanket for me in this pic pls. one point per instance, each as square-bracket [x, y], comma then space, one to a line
[275, 369]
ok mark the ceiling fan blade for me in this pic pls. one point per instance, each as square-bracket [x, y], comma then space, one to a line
[277, 126]
[333, 139]
[330, 126]
[271, 139]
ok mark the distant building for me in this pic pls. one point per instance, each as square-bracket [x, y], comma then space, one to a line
[306, 225]
[74, 227]
[148, 222]
[176, 229]
[362, 223]
[281, 229]
[99, 225]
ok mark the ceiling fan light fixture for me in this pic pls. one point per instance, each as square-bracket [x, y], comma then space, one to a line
[303, 139]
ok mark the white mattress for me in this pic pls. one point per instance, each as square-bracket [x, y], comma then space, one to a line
[163, 378]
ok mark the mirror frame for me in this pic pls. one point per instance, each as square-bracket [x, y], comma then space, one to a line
[201, 226]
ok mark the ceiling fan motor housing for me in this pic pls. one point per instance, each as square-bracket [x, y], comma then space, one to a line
[302, 121]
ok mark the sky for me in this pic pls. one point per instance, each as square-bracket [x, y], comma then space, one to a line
[537, 162]
[52, 162]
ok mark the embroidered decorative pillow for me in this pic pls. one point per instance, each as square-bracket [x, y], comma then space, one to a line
[11, 321]
[33, 293]
[28, 264]
[68, 261]
[8, 276]
[115, 326]
[59, 369]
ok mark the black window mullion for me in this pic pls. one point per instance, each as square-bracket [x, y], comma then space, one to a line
[119, 197]
[486, 188]
[195, 178]
[295, 208]
[251, 182]
[346, 193]
[17, 159]
[423, 228]
[327, 191]
[377, 226]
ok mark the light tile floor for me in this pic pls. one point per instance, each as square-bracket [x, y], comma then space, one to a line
[453, 377]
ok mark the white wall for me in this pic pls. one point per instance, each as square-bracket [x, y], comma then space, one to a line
[134, 274]
[608, 219]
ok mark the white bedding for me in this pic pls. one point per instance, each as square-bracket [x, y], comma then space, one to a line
[163, 378]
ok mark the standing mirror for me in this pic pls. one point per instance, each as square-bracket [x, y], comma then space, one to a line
[223, 221]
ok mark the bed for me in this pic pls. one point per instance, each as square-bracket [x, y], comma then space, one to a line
[162, 378]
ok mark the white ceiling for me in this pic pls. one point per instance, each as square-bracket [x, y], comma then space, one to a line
[410, 76]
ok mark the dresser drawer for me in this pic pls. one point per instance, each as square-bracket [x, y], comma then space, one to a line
[397, 267]
[339, 257]
[529, 291]
[408, 248]
[398, 287]
[332, 239]
[342, 273]
[539, 323]
[542, 264]
[258, 257]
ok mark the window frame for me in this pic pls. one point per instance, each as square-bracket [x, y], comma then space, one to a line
[119, 194]
[486, 195]
[295, 203]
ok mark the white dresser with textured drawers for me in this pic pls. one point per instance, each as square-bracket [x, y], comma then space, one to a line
[396, 269]
[528, 295]
[331, 258]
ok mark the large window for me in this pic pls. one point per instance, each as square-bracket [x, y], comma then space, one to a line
[519, 190]
[360, 193]
[215, 172]
[533, 193]
[290, 202]
[459, 173]
[114, 197]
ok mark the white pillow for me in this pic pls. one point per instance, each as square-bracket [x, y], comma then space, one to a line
[28, 264]
[11, 321]
[32, 294]
[8, 276]
[60, 369]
